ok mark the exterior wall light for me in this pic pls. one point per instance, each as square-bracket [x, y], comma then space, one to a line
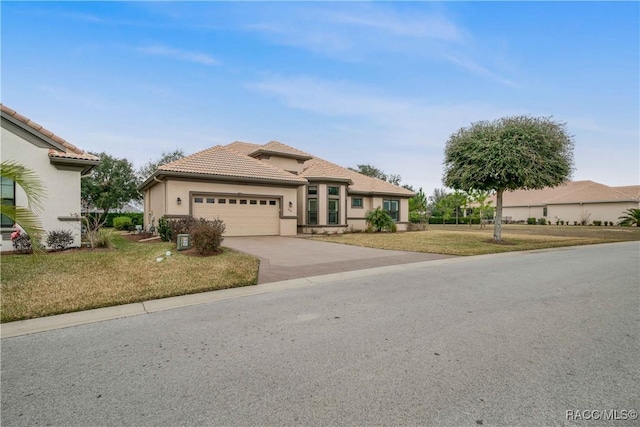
[290, 204]
[178, 200]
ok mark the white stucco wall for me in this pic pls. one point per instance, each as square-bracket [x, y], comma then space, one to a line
[62, 186]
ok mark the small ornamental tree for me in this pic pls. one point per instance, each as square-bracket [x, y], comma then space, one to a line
[445, 208]
[418, 203]
[458, 201]
[510, 153]
[482, 206]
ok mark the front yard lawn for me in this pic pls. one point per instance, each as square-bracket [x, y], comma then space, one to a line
[70, 281]
[465, 240]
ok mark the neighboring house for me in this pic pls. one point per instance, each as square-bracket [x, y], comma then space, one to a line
[575, 201]
[270, 189]
[57, 163]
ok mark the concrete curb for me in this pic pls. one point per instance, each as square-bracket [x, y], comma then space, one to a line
[43, 324]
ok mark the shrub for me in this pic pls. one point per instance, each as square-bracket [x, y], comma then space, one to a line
[416, 217]
[611, 223]
[164, 230]
[379, 219]
[575, 222]
[416, 227]
[394, 228]
[104, 238]
[542, 221]
[123, 223]
[206, 235]
[180, 226]
[596, 222]
[562, 222]
[60, 239]
[22, 244]
[531, 221]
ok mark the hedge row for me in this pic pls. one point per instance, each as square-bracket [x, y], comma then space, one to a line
[136, 218]
[438, 220]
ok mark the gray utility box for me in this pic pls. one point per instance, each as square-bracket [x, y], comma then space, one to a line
[184, 242]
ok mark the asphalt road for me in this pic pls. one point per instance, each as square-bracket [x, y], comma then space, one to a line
[498, 340]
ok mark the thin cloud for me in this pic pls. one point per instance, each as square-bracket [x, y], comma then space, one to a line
[357, 32]
[476, 68]
[197, 57]
[413, 121]
[426, 26]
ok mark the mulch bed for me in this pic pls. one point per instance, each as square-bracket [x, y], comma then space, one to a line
[194, 252]
[141, 236]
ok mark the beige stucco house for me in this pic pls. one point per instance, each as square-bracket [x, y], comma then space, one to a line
[271, 189]
[575, 201]
[59, 165]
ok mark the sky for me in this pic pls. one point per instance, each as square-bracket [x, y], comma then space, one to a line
[379, 83]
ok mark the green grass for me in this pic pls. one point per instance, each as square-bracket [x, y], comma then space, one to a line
[70, 281]
[464, 240]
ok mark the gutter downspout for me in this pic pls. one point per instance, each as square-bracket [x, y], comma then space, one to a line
[164, 204]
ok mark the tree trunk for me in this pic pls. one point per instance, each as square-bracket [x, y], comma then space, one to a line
[497, 223]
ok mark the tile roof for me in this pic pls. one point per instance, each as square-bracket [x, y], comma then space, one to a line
[72, 152]
[235, 160]
[243, 147]
[359, 183]
[226, 162]
[318, 169]
[568, 193]
[277, 147]
[631, 190]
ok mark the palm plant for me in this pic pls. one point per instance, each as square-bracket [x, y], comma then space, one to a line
[379, 219]
[631, 217]
[25, 216]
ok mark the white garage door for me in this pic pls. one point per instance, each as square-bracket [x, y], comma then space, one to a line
[248, 216]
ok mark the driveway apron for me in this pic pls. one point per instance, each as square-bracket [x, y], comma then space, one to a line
[283, 258]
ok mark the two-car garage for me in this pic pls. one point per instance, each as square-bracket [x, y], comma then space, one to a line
[242, 215]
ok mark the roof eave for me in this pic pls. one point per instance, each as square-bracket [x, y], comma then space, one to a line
[225, 178]
[326, 179]
[88, 164]
[381, 193]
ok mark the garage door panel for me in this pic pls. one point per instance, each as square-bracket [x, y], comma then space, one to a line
[242, 219]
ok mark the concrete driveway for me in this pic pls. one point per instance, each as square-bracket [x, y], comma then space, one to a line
[283, 258]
